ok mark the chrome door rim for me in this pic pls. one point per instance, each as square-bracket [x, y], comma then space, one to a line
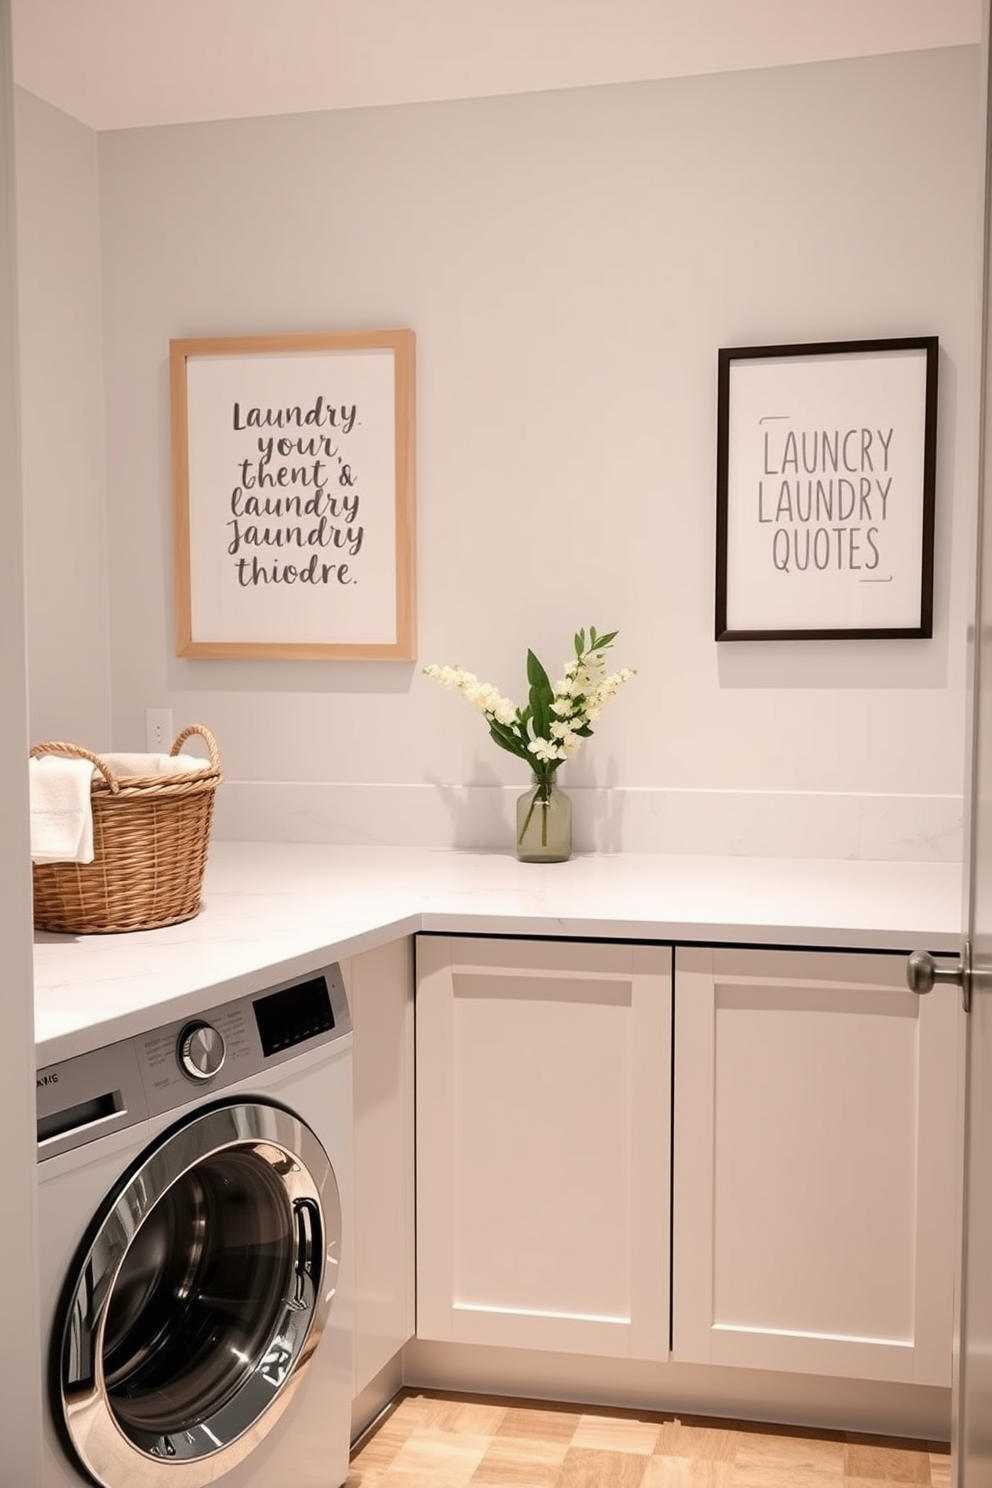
[291, 1155]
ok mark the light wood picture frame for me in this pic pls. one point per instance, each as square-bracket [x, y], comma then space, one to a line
[294, 495]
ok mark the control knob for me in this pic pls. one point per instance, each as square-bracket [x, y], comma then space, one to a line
[201, 1051]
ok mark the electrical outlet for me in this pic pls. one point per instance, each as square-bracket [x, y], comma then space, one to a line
[158, 730]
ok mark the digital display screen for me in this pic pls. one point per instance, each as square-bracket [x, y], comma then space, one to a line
[293, 1015]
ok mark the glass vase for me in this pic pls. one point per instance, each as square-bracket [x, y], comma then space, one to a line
[544, 822]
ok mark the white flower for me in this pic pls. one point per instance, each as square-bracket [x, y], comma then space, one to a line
[568, 740]
[608, 688]
[447, 676]
[569, 706]
[478, 694]
[505, 712]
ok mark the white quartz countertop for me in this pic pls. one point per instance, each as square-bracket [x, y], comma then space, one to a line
[272, 911]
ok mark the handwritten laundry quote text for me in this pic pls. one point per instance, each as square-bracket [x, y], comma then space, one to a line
[297, 494]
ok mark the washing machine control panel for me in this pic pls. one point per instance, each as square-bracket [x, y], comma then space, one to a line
[201, 1051]
[82, 1099]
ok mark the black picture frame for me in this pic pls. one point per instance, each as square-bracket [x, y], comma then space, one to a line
[826, 481]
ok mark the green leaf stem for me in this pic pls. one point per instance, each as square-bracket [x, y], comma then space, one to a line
[508, 740]
[541, 697]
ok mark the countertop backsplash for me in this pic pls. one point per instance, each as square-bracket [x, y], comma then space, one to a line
[731, 823]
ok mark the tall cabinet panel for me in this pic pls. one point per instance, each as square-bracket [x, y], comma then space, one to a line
[815, 1110]
[380, 990]
[543, 1144]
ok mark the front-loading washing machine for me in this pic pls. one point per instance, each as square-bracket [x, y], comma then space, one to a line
[194, 1202]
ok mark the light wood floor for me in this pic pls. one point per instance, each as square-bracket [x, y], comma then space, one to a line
[433, 1441]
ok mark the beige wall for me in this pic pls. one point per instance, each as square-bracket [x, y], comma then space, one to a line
[570, 263]
[65, 528]
[20, 1369]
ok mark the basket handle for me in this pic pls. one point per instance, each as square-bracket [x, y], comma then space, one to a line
[75, 751]
[211, 742]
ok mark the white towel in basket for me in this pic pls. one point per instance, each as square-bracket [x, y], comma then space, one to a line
[153, 764]
[61, 810]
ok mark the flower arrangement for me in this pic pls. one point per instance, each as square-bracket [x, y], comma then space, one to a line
[556, 719]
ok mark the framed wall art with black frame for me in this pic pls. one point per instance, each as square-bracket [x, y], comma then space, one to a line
[826, 472]
[293, 495]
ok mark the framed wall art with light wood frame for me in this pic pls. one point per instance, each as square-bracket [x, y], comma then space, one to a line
[826, 472]
[293, 495]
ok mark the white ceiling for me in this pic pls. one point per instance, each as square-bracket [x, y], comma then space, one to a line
[118, 64]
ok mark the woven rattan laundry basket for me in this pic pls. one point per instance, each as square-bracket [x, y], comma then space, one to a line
[150, 839]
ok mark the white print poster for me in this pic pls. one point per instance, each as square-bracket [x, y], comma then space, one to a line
[293, 498]
[825, 490]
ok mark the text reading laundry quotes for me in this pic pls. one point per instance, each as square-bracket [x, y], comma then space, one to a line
[825, 494]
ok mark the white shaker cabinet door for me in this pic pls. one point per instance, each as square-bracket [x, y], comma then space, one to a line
[815, 1111]
[543, 1144]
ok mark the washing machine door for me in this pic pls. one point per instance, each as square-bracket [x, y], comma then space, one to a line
[195, 1310]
